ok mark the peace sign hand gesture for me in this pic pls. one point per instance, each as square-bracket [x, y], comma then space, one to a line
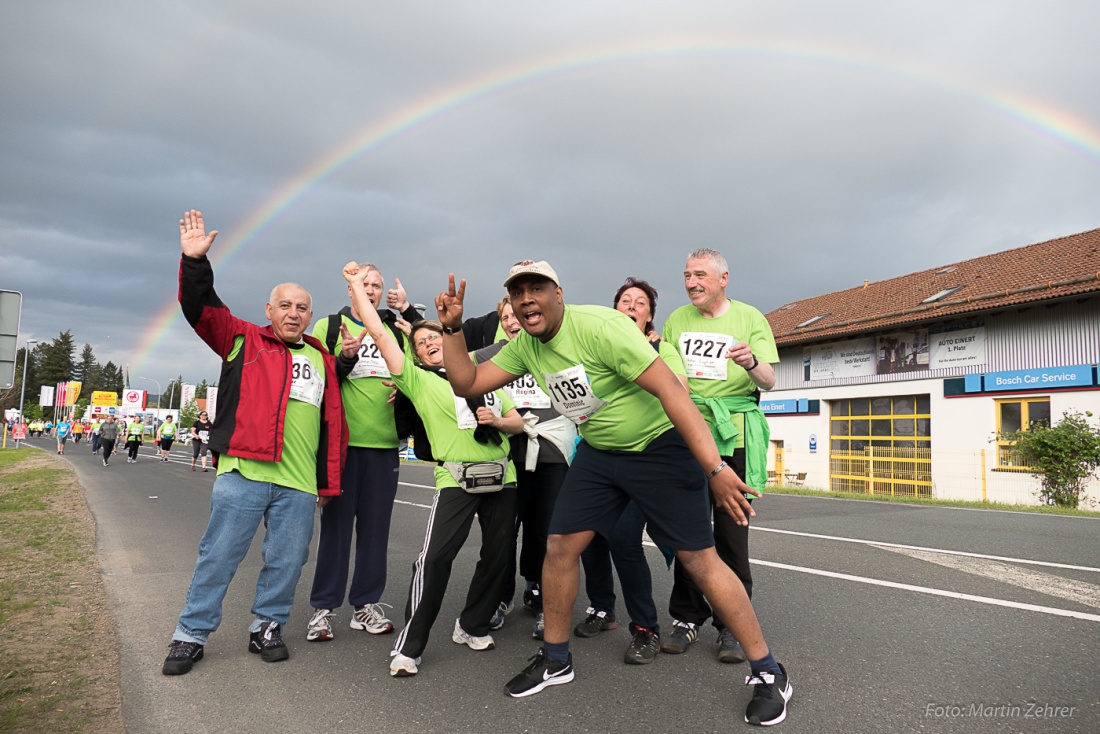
[448, 304]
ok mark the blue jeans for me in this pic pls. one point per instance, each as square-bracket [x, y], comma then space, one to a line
[237, 506]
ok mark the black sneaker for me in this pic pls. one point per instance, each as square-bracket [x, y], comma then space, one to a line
[268, 643]
[683, 634]
[595, 623]
[770, 694]
[181, 656]
[729, 649]
[643, 646]
[532, 600]
[542, 672]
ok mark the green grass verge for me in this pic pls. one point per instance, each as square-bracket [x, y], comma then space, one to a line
[50, 581]
[1042, 510]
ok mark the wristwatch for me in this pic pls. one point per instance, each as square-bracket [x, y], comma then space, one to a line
[755, 362]
[449, 330]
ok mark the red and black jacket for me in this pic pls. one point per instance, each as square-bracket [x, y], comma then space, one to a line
[254, 388]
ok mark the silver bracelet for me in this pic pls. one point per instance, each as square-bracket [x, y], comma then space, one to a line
[717, 469]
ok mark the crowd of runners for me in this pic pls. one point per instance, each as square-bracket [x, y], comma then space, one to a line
[572, 429]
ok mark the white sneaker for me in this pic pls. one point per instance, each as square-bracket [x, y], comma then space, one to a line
[402, 666]
[370, 618]
[320, 626]
[461, 637]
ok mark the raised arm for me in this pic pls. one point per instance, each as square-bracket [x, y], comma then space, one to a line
[194, 241]
[395, 358]
[728, 489]
[467, 379]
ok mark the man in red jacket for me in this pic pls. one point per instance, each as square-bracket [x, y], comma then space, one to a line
[276, 475]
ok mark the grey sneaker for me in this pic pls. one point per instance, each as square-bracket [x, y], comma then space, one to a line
[729, 649]
[370, 618]
[498, 616]
[462, 637]
[320, 626]
[683, 634]
[402, 666]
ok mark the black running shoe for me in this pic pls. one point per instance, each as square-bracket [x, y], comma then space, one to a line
[769, 697]
[268, 643]
[729, 649]
[643, 646]
[595, 623]
[181, 656]
[542, 672]
[532, 600]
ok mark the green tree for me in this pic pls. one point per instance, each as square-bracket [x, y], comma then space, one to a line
[57, 359]
[1063, 457]
[188, 414]
[200, 390]
[112, 378]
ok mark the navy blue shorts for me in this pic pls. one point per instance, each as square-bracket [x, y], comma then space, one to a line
[664, 480]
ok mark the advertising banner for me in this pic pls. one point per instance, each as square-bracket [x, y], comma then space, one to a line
[133, 401]
[72, 393]
[104, 399]
[187, 394]
[853, 358]
[902, 351]
[961, 348]
[45, 397]
[211, 402]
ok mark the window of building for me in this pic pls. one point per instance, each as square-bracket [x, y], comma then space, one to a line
[943, 294]
[814, 320]
[1018, 414]
[881, 445]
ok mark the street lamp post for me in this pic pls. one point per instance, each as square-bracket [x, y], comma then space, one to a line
[150, 379]
[23, 388]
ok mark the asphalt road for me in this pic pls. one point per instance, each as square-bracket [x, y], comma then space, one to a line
[889, 618]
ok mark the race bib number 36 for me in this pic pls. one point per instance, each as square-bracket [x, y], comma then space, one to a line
[572, 395]
[371, 363]
[704, 354]
[306, 383]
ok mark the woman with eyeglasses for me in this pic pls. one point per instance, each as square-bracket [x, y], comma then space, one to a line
[473, 476]
[200, 436]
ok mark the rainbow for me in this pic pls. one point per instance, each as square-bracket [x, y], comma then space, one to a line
[1047, 120]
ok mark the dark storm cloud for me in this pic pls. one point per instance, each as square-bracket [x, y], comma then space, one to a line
[824, 144]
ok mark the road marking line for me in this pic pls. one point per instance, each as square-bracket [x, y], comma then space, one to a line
[888, 584]
[934, 592]
[1081, 592]
[862, 541]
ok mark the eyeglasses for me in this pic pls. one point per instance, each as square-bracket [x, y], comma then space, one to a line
[432, 337]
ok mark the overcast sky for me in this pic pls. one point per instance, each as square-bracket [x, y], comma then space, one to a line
[817, 144]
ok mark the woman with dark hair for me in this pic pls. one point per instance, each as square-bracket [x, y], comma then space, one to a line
[638, 300]
[473, 476]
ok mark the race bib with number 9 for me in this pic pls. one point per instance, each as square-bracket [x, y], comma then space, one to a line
[572, 395]
[306, 383]
[467, 418]
[704, 354]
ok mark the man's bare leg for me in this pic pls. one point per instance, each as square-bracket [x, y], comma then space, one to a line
[727, 596]
[561, 577]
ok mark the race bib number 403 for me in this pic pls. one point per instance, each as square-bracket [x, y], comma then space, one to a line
[371, 363]
[526, 393]
[704, 354]
[306, 384]
[572, 395]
